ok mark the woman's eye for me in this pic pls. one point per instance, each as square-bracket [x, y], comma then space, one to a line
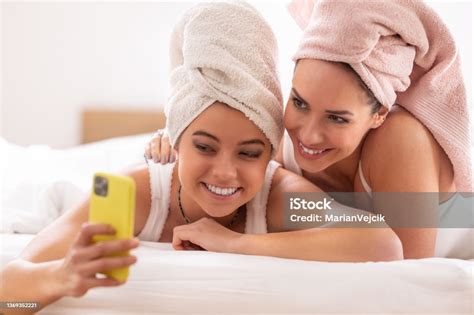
[249, 154]
[298, 103]
[203, 148]
[337, 119]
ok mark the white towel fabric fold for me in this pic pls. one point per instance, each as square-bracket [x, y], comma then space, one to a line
[226, 52]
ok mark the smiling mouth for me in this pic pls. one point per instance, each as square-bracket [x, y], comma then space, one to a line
[312, 152]
[221, 191]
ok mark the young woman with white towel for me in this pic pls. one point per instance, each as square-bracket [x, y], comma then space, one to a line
[225, 119]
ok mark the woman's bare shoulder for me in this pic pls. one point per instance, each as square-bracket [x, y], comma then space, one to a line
[283, 181]
[287, 181]
[400, 134]
[401, 148]
[399, 127]
[138, 172]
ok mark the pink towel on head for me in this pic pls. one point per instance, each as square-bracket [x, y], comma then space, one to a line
[405, 54]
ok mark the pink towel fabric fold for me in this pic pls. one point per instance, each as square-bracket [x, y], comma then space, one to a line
[405, 54]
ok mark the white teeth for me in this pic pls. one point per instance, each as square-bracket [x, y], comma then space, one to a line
[309, 151]
[221, 191]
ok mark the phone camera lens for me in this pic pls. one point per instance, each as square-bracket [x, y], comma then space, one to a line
[100, 186]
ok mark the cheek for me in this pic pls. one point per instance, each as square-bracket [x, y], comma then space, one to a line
[254, 176]
[190, 165]
[349, 138]
[254, 179]
[290, 118]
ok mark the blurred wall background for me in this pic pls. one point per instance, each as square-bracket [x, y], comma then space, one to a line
[58, 58]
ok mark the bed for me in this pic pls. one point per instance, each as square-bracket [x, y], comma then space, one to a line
[166, 281]
[40, 183]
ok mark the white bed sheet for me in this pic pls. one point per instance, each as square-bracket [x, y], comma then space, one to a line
[168, 281]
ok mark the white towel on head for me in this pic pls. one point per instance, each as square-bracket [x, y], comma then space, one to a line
[226, 52]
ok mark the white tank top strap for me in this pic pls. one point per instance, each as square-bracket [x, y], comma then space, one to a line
[366, 186]
[160, 186]
[289, 161]
[257, 207]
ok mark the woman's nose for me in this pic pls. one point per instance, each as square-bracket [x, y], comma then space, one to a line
[224, 168]
[311, 134]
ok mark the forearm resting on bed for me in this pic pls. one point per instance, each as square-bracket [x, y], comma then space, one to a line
[325, 244]
[25, 281]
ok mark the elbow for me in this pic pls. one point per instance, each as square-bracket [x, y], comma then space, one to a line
[388, 246]
[6, 279]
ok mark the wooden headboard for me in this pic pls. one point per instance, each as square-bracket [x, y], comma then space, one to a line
[99, 124]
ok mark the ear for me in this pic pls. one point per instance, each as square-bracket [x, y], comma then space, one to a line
[379, 117]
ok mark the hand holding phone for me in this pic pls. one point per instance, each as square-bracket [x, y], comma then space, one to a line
[77, 272]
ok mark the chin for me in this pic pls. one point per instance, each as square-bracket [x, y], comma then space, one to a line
[217, 208]
[219, 212]
[310, 166]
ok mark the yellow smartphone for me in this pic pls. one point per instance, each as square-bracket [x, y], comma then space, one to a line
[113, 202]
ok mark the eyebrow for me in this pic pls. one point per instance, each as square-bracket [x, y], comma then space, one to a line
[293, 90]
[206, 134]
[339, 112]
[334, 112]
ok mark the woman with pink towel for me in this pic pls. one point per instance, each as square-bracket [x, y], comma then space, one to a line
[356, 61]
[378, 104]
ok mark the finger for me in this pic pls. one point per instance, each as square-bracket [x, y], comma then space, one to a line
[177, 243]
[159, 133]
[165, 150]
[148, 151]
[107, 248]
[90, 229]
[179, 247]
[173, 156]
[105, 264]
[155, 149]
[191, 246]
[181, 237]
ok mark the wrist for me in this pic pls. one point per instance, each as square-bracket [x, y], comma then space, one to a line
[240, 244]
[54, 285]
